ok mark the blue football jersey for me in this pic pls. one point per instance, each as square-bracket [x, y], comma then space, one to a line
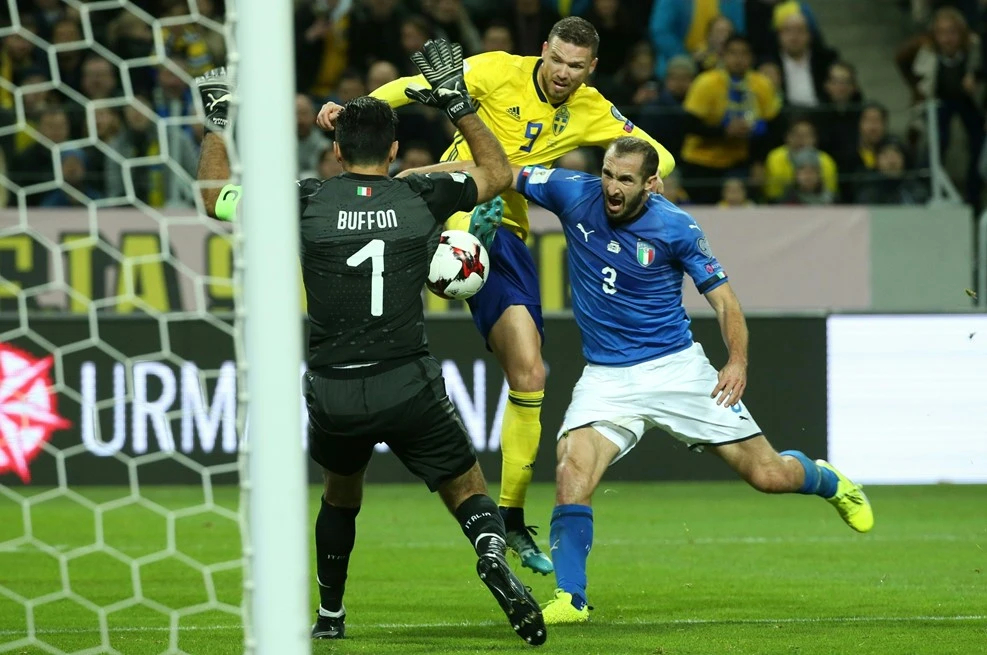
[626, 279]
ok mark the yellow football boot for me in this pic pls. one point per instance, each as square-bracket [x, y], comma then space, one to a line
[560, 610]
[850, 501]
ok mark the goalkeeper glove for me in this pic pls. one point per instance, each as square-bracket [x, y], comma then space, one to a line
[485, 220]
[216, 91]
[441, 63]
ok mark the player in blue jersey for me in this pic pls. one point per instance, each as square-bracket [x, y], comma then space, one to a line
[628, 252]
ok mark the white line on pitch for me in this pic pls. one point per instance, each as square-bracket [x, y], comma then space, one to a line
[714, 541]
[468, 624]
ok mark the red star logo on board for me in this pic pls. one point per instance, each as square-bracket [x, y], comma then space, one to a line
[28, 412]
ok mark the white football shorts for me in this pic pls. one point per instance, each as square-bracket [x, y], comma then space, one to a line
[671, 393]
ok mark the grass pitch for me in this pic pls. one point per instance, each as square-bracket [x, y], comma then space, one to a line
[676, 569]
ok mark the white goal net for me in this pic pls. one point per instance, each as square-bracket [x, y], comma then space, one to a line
[120, 404]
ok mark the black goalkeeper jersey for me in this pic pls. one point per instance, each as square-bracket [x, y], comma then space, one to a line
[367, 242]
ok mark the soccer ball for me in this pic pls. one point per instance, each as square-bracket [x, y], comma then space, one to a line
[459, 266]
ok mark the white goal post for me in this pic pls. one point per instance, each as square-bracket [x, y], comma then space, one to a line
[135, 515]
[277, 476]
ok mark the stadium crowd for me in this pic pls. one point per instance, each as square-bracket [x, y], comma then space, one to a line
[748, 95]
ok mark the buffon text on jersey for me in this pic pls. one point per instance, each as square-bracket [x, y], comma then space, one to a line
[367, 220]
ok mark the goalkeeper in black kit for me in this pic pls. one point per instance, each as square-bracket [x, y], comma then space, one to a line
[370, 377]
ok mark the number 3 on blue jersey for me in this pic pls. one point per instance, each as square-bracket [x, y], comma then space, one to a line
[531, 132]
[609, 280]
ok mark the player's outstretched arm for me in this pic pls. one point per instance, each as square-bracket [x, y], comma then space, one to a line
[456, 166]
[460, 165]
[393, 92]
[491, 172]
[733, 326]
[486, 189]
[219, 197]
[441, 64]
[214, 170]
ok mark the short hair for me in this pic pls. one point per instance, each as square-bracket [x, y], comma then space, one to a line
[876, 106]
[53, 111]
[350, 74]
[632, 145]
[365, 131]
[800, 119]
[681, 63]
[498, 24]
[421, 24]
[416, 144]
[893, 144]
[847, 66]
[737, 38]
[576, 31]
[93, 58]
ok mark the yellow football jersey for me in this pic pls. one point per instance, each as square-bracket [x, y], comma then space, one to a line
[532, 130]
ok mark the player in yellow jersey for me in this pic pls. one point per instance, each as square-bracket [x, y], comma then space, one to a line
[539, 109]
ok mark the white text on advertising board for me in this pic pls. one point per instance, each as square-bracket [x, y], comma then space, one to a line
[145, 421]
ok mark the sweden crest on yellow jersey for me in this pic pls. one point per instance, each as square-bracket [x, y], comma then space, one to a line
[561, 120]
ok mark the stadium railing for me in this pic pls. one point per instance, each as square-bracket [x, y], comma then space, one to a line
[943, 188]
[982, 262]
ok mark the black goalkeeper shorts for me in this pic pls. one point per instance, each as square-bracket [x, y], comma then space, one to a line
[405, 407]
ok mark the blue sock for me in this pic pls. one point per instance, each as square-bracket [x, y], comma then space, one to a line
[571, 539]
[818, 480]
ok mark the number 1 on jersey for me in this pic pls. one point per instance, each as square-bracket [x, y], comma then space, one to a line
[531, 132]
[374, 251]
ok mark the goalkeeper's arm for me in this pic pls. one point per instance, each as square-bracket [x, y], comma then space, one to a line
[441, 64]
[214, 168]
[489, 167]
[492, 172]
[216, 90]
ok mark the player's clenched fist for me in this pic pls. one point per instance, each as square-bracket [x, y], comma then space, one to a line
[327, 116]
[441, 64]
[216, 91]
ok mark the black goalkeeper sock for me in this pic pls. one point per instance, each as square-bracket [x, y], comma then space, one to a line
[481, 523]
[335, 532]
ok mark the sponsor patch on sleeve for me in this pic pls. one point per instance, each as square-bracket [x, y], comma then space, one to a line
[616, 114]
[536, 175]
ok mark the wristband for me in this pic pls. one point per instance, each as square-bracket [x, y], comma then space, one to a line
[229, 198]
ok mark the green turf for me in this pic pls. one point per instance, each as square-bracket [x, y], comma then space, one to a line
[677, 569]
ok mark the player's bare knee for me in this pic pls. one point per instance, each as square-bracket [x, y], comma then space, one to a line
[343, 491]
[572, 482]
[528, 374]
[344, 497]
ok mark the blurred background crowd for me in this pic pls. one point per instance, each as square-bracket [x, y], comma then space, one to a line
[800, 127]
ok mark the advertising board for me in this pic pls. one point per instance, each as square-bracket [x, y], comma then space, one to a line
[906, 398]
[157, 402]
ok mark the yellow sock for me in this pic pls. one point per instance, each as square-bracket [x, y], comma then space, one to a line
[519, 441]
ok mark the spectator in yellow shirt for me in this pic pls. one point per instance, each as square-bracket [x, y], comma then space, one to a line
[780, 167]
[807, 188]
[727, 111]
